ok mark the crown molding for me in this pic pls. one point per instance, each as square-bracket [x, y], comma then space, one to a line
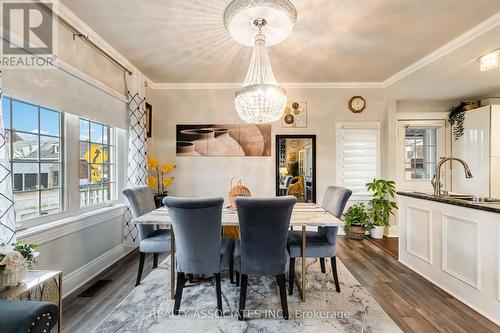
[470, 35]
[288, 85]
[78, 23]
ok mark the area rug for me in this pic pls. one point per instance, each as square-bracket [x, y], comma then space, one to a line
[149, 308]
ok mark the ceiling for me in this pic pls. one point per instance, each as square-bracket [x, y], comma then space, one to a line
[184, 41]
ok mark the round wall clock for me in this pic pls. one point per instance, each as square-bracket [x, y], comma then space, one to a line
[357, 104]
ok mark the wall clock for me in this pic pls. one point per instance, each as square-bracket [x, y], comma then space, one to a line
[357, 104]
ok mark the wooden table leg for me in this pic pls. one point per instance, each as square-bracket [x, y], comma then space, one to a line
[172, 264]
[303, 250]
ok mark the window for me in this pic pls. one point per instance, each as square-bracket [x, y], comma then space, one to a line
[420, 153]
[34, 138]
[358, 156]
[96, 163]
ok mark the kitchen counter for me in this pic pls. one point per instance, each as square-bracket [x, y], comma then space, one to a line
[490, 207]
[454, 244]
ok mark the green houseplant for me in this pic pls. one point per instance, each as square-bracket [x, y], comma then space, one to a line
[355, 219]
[381, 206]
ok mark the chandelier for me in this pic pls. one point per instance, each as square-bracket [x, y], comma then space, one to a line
[261, 99]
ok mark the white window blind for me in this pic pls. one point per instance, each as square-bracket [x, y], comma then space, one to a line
[358, 156]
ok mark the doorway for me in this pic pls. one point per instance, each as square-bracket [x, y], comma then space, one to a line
[296, 167]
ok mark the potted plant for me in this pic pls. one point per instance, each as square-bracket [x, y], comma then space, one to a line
[158, 180]
[355, 220]
[381, 206]
[15, 260]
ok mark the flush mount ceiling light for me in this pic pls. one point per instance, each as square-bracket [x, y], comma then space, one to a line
[489, 61]
[255, 23]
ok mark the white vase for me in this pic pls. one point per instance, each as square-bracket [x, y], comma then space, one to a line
[377, 232]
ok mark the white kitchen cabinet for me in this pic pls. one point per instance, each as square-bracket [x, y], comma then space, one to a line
[456, 248]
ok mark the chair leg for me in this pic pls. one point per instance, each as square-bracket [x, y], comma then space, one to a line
[243, 295]
[190, 278]
[322, 264]
[231, 272]
[219, 294]
[155, 260]
[141, 266]
[237, 278]
[181, 280]
[335, 274]
[282, 287]
[291, 276]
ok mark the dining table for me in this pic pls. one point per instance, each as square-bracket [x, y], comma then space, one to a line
[304, 216]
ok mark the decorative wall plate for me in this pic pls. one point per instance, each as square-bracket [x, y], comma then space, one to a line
[295, 115]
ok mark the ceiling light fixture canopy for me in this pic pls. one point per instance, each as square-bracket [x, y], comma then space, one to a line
[261, 99]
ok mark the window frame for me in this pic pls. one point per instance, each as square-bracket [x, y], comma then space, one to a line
[339, 126]
[111, 164]
[443, 147]
[69, 161]
[38, 161]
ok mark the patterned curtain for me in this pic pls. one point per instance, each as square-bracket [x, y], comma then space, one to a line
[7, 218]
[137, 165]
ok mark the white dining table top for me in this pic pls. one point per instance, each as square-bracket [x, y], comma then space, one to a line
[303, 214]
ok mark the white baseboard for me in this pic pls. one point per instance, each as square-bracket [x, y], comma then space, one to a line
[82, 275]
[392, 231]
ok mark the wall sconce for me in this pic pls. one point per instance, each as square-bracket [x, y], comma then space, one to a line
[489, 61]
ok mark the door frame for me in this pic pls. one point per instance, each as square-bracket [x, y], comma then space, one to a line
[312, 137]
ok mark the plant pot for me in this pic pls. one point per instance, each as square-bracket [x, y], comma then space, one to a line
[356, 232]
[11, 278]
[159, 200]
[377, 232]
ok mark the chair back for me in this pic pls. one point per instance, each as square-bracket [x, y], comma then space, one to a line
[334, 201]
[197, 231]
[141, 200]
[264, 224]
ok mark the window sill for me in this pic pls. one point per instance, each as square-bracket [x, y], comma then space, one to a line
[50, 231]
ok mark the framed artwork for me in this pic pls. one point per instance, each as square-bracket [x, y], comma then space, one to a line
[149, 119]
[295, 115]
[223, 140]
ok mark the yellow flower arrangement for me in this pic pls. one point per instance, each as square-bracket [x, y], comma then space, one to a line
[152, 181]
[157, 179]
[153, 162]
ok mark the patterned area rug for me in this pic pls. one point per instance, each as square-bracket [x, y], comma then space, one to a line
[149, 308]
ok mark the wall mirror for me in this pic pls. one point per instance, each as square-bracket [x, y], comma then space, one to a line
[296, 166]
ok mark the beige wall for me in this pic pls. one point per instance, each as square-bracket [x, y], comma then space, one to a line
[207, 176]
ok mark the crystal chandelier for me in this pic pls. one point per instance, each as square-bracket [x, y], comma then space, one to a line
[261, 99]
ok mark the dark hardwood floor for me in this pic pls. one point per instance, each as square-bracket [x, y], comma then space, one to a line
[415, 304]
[388, 244]
[82, 314]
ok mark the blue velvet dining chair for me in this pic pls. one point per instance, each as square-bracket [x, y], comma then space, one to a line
[261, 251]
[152, 240]
[322, 243]
[200, 249]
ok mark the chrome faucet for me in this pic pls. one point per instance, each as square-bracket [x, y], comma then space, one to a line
[436, 180]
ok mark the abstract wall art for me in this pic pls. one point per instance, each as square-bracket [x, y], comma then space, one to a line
[223, 140]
